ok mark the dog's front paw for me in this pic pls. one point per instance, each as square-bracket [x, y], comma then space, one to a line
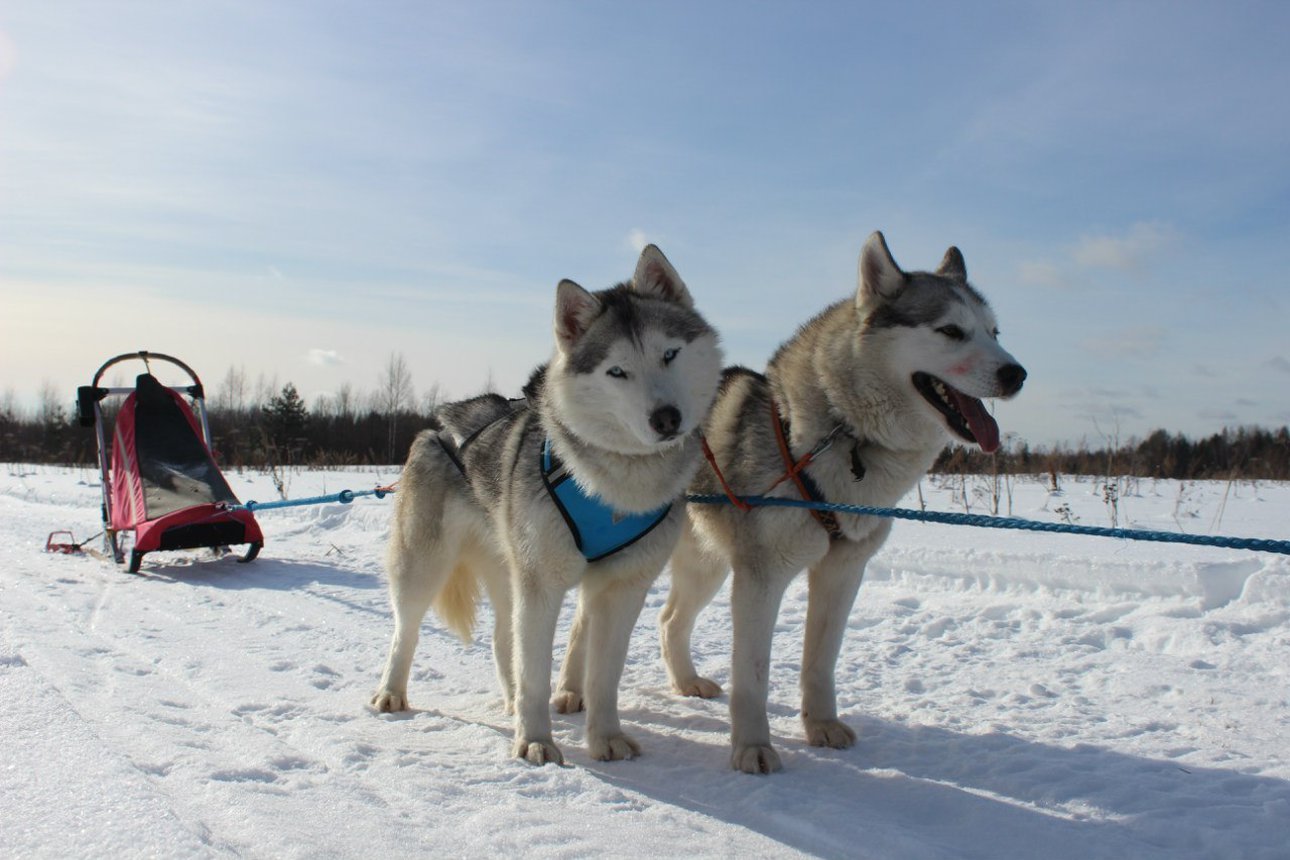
[829, 733]
[538, 752]
[389, 701]
[698, 687]
[617, 747]
[755, 758]
[567, 702]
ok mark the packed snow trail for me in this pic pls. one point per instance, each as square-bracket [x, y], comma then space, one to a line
[1010, 691]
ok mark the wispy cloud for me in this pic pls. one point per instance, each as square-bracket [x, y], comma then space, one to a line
[325, 357]
[1127, 253]
[7, 55]
[1130, 253]
[638, 239]
[1044, 274]
[1279, 363]
[1131, 342]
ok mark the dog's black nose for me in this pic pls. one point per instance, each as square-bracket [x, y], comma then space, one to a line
[1010, 378]
[665, 421]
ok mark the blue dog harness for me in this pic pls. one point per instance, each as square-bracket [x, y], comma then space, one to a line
[597, 529]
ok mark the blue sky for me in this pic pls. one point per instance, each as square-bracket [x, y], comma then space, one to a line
[302, 189]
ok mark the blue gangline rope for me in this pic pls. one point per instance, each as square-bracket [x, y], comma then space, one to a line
[344, 497]
[1015, 523]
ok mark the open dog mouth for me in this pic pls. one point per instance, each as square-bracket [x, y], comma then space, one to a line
[965, 416]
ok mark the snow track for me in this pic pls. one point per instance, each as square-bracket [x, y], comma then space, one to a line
[1014, 695]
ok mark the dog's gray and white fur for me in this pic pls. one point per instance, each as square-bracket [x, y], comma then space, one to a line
[900, 367]
[634, 372]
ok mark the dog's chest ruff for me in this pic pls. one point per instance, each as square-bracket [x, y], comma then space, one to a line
[598, 530]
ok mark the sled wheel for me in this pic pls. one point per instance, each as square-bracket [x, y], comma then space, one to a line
[136, 559]
[251, 552]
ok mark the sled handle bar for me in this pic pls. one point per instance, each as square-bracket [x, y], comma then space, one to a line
[145, 356]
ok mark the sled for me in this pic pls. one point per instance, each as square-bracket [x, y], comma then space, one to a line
[159, 477]
[54, 543]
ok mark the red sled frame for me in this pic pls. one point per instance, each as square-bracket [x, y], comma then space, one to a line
[166, 505]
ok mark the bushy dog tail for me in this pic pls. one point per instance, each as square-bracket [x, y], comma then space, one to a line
[456, 602]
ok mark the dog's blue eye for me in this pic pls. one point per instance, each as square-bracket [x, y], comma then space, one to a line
[617, 372]
[669, 355]
[953, 332]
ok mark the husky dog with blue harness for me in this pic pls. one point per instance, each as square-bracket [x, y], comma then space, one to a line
[580, 482]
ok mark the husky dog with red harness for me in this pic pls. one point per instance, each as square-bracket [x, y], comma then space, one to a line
[578, 483]
[853, 409]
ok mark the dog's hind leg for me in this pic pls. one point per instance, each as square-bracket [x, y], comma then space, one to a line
[696, 577]
[414, 584]
[568, 694]
[497, 582]
[612, 608]
[834, 583]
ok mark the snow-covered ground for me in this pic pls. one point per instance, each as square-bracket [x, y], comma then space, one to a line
[1016, 695]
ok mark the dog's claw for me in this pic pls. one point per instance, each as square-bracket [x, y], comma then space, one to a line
[567, 702]
[613, 748]
[700, 688]
[755, 758]
[388, 701]
[830, 733]
[539, 752]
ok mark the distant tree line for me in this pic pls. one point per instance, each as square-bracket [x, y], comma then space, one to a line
[252, 425]
[266, 426]
[1241, 453]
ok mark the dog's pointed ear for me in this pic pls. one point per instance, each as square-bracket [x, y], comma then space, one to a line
[575, 309]
[656, 277]
[952, 265]
[879, 276]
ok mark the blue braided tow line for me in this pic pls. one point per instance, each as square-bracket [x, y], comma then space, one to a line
[982, 521]
[344, 497]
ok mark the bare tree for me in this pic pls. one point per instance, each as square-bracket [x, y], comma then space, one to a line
[49, 408]
[9, 409]
[431, 398]
[231, 399]
[394, 396]
[265, 390]
[345, 401]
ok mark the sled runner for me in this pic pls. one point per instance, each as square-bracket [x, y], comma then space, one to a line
[160, 480]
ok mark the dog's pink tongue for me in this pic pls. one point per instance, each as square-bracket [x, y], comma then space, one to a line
[980, 422]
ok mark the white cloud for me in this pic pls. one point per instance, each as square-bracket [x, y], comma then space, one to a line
[8, 55]
[325, 357]
[637, 239]
[1125, 253]
[1041, 273]
[1133, 342]
[1278, 362]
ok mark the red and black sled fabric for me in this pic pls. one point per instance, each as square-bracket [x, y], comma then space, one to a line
[162, 483]
[166, 487]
